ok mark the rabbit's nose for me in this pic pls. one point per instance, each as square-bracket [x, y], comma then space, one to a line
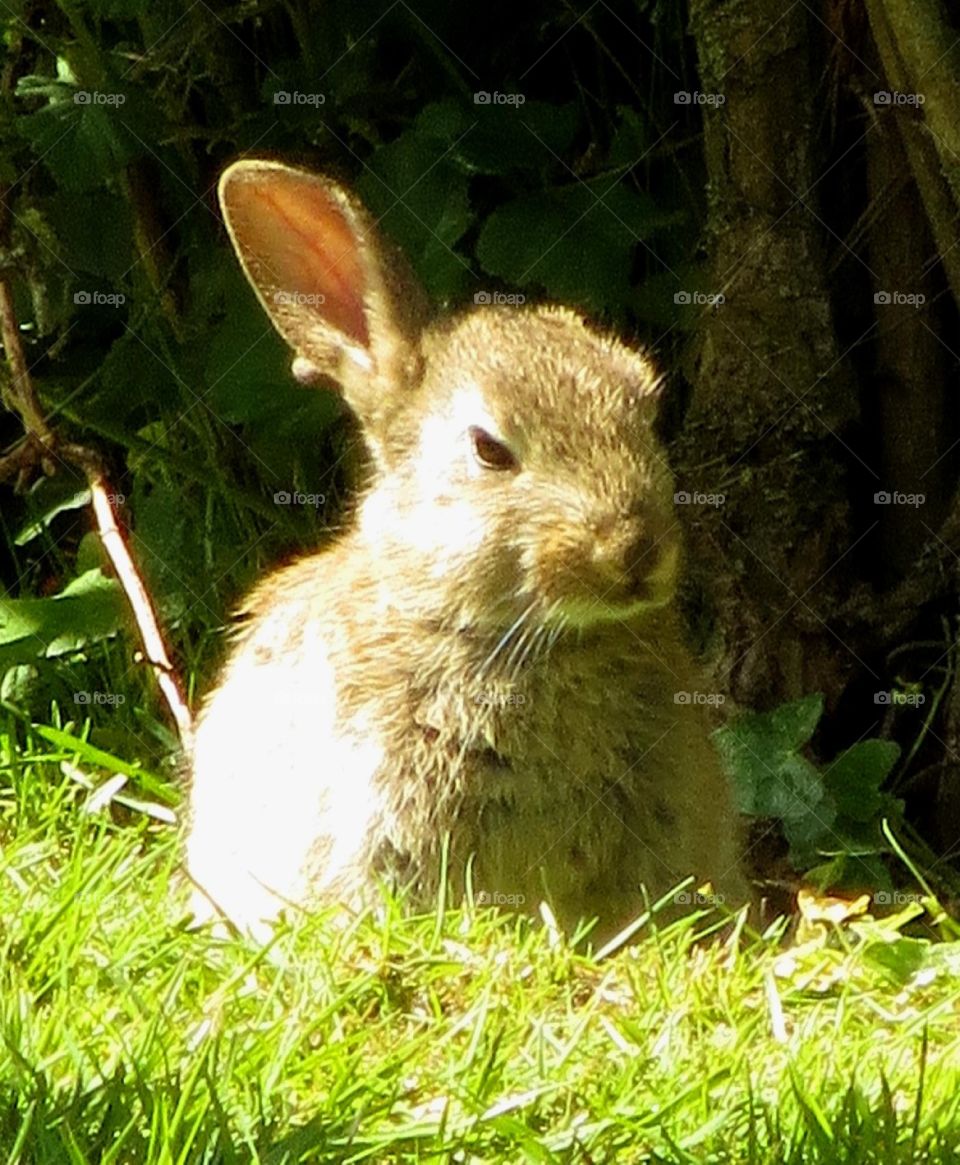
[638, 560]
[626, 542]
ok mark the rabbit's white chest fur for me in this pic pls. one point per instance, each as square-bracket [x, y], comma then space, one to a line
[275, 714]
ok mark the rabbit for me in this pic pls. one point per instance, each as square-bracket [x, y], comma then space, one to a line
[485, 672]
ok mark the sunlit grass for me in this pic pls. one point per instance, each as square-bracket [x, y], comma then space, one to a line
[126, 1037]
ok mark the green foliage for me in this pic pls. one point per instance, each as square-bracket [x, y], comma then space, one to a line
[144, 341]
[832, 810]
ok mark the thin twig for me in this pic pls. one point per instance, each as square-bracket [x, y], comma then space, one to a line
[40, 444]
[154, 648]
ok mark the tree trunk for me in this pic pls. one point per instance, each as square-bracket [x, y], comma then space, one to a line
[774, 396]
[824, 377]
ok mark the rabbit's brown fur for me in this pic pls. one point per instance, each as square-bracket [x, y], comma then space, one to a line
[489, 652]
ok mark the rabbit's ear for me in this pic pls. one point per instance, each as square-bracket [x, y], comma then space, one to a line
[350, 309]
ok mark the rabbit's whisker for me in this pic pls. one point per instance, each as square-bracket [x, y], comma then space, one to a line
[537, 642]
[531, 651]
[557, 631]
[520, 649]
[504, 640]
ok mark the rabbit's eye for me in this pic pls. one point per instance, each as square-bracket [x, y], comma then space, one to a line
[491, 453]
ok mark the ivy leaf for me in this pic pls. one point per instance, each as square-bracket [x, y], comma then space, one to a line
[793, 791]
[855, 777]
[835, 810]
[769, 734]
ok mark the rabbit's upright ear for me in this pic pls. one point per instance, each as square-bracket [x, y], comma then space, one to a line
[349, 308]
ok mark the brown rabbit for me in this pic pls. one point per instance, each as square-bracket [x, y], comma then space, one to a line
[489, 652]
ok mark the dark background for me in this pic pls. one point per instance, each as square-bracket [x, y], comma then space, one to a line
[791, 192]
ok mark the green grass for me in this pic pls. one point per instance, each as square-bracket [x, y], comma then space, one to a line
[125, 1037]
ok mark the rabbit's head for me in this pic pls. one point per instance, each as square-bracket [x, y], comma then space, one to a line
[516, 474]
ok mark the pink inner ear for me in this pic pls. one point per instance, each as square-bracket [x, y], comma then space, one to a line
[302, 244]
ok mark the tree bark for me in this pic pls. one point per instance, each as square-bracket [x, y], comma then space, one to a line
[773, 395]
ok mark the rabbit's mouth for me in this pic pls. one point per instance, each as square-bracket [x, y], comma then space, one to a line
[588, 611]
[610, 589]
